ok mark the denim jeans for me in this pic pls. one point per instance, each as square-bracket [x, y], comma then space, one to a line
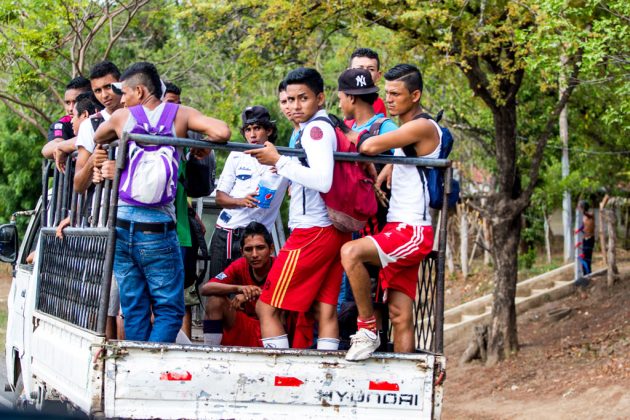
[150, 274]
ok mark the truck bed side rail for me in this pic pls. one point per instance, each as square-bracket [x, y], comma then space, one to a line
[69, 287]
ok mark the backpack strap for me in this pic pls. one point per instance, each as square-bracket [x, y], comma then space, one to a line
[96, 120]
[303, 161]
[375, 128]
[140, 116]
[167, 118]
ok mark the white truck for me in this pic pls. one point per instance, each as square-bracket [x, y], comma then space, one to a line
[56, 351]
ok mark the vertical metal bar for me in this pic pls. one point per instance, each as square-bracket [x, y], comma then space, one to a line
[439, 303]
[57, 189]
[74, 205]
[45, 176]
[121, 161]
[64, 189]
[96, 204]
[107, 188]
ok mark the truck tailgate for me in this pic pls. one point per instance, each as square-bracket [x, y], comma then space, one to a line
[145, 380]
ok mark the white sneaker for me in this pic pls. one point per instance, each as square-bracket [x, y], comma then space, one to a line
[362, 345]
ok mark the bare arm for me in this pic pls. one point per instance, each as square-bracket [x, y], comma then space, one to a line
[83, 172]
[216, 130]
[49, 148]
[421, 132]
[213, 288]
[68, 146]
[226, 201]
[111, 129]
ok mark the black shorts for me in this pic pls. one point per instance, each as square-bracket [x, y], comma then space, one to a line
[225, 247]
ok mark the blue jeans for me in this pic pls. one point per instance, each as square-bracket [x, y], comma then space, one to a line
[150, 274]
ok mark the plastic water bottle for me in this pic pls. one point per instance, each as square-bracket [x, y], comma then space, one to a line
[267, 187]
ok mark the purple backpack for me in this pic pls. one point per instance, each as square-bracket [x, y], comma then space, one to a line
[150, 178]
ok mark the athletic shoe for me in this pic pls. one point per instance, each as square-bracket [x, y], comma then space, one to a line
[362, 345]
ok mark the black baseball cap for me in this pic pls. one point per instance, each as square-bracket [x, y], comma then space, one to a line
[255, 114]
[356, 82]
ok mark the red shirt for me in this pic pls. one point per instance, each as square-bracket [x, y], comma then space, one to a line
[379, 108]
[241, 274]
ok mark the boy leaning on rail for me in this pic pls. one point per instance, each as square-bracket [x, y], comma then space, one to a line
[408, 236]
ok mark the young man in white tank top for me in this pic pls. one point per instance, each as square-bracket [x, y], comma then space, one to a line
[408, 236]
[147, 262]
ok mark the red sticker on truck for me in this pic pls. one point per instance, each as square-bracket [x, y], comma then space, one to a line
[383, 386]
[177, 375]
[287, 381]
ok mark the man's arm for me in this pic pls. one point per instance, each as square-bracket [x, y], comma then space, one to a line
[226, 201]
[216, 130]
[215, 288]
[111, 129]
[49, 148]
[83, 171]
[422, 132]
[317, 140]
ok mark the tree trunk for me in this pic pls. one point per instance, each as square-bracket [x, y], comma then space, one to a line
[463, 238]
[487, 256]
[503, 337]
[505, 221]
[611, 222]
[626, 240]
[566, 195]
[602, 229]
[450, 266]
[547, 239]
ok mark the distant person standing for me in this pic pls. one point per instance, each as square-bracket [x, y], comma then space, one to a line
[588, 243]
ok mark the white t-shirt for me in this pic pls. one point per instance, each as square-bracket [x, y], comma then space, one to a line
[85, 136]
[240, 177]
[307, 207]
[409, 202]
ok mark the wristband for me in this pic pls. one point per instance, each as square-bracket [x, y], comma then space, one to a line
[362, 137]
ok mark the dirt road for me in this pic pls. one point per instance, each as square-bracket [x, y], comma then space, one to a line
[575, 367]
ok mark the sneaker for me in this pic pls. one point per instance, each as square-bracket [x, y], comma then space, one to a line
[362, 345]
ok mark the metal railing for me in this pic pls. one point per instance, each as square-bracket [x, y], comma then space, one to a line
[76, 271]
[429, 307]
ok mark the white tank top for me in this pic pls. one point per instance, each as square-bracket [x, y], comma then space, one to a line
[409, 202]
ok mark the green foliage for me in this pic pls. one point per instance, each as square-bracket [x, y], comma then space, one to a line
[20, 166]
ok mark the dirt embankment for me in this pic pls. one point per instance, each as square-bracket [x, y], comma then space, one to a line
[574, 367]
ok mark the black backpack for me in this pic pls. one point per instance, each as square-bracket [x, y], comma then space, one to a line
[433, 178]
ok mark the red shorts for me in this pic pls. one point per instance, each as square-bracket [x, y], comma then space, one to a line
[300, 327]
[307, 269]
[401, 249]
[245, 332]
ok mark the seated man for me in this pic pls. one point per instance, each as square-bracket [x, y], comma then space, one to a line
[232, 294]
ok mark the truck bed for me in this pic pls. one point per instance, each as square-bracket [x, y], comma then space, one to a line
[145, 380]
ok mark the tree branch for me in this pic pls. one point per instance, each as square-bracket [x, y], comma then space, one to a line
[114, 37]
[534, 171]
[25, 117]
[32, 107]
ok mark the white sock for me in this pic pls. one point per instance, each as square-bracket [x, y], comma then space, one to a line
[327, 344]
[279, 342]
[182, 338]
[212, 339]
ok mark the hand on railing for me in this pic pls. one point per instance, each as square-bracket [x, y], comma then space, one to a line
[99, 156]
[106, 171]
[60, 158]
[62, 225]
